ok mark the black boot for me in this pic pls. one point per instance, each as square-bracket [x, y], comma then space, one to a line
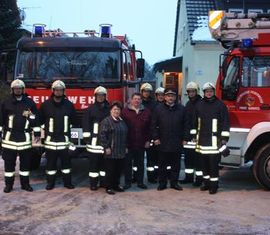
[67, 181]
[50, 182]
[205, 185]
[93, 183]
[9, 184]
[134, 176]
[198, 181]
[102, 183]
[25, 183]
[176, 187]
[188, 179]
[213, 187]
[161, 187]
[151, 176]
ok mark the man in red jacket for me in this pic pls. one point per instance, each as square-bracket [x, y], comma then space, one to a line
[138, 120]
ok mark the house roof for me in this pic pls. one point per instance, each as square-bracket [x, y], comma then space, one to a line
[170, 65]
[195, 9]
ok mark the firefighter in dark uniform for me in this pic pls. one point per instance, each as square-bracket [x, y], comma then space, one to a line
[159, 96]
[57, 114]
[193, 168]
[169, 130]
[212, 127]
[151, 154]
[91, 121]
[18, 118]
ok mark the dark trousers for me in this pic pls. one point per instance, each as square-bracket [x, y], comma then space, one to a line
[96, 169]
[152, 163]
[10, 156]
[169, 159]
[53, 155]
[210, 167]
[193, 161]
[114, 169]
[134, 158]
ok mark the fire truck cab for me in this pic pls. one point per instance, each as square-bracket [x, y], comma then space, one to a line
[243, 84]
[83, 61]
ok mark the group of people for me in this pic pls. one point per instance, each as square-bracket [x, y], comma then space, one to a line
[118, 137]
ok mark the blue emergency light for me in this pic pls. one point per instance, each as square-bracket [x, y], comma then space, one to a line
[39, 30]
[247, 42]
[105, 30]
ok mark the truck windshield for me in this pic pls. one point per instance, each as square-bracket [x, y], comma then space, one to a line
[69, 66]
[256, 71]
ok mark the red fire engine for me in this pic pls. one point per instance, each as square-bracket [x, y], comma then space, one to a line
[83, 61]
[244, 86]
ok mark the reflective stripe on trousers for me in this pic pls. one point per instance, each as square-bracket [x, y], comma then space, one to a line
[102, 173]
[189, 171]
[24, 173]
[52, 172]
[93, 174]
[150, 168]
[9, 174]
[66, 171]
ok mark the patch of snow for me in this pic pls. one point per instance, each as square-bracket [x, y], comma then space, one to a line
[202, 33]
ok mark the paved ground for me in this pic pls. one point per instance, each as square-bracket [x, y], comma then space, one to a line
[240, 207]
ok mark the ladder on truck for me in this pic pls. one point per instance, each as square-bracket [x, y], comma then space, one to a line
[230, 28]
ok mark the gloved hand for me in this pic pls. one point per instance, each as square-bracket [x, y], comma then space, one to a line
[72, 147]
[224, 150]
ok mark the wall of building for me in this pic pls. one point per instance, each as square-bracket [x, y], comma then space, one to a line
[200, 64]
[200, 59]
[182, 32]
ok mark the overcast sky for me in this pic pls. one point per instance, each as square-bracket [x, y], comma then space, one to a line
[150, 24]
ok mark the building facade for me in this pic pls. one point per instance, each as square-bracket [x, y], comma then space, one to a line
[193, 42]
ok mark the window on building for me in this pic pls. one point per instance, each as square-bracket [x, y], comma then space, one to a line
[255, 11]
[184, 34]
[181, 37]
[236, 10]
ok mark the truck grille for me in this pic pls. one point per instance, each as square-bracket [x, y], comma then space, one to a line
[79, 117]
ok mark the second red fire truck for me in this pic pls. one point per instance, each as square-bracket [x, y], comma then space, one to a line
[244, 86]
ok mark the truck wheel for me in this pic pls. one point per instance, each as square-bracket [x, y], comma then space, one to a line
[261, 166]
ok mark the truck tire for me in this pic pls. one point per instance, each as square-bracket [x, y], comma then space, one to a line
[261, 166]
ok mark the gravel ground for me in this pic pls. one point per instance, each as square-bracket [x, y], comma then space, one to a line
[240, 207]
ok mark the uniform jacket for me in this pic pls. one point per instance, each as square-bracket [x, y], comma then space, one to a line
[149, 104]
[91, 121]
[190, 112]
[18, 118]
[138, 126]
[212, 125]
[169, 125]
[113, 135]
[57, 119]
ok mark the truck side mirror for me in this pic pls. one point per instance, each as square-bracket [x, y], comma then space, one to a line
[140, 68]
